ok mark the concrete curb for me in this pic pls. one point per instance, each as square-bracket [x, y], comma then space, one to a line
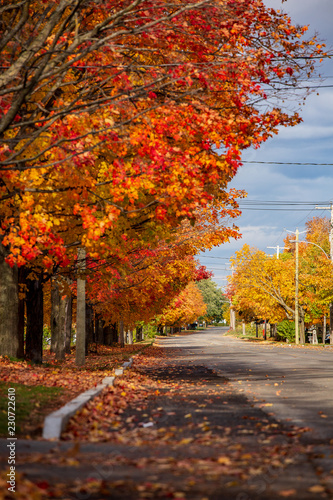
[55, 423]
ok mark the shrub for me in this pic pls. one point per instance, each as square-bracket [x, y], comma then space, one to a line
[286, 330]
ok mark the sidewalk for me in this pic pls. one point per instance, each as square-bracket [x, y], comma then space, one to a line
[190, 436]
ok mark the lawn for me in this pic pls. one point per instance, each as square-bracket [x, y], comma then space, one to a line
[30, 404]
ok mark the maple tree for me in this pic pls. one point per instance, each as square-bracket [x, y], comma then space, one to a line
[165, 101]
[261, 286]
[184, 309]
[264, 287]
[140, 287]
[117, 117]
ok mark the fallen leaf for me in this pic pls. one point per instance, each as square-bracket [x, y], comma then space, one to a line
[287, 493]
[224, 460]
[317, 488]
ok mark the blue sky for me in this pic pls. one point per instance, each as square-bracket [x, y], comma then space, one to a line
[309, 142]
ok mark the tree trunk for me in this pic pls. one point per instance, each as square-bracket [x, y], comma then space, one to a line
[138, 334]
[34, 336]
[115, 334]
[301, 326]
[232, 319]
[80, 351]
[21, 323]
[243, 326]
[55, 315]
[21, 313]
[331, 323]
[98, 329]
[89, 325]
[324, 329]
[107, 335]
[63, 313]
[61, 323]
[130, 336]
[68, 324]
[9, 307]
[121, 333]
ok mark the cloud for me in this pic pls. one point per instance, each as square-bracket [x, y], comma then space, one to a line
[318, 14]
[311, 141]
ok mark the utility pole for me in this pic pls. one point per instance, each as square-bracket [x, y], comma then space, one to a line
[278, 250]
[296, 241]
[296, 291]
[331, 255]
[232, 310]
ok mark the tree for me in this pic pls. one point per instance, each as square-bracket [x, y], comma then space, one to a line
[214, 300]
[264, 288]
[119, 117]
[184, 309]
[9, 307]
[165, 84]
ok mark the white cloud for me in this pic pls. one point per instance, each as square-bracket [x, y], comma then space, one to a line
[311, 141]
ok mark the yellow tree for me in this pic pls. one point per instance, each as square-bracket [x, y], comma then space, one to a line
[262, 287]
[138, 287]
[184, 309]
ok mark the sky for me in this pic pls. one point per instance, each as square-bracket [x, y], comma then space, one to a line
[292, 191]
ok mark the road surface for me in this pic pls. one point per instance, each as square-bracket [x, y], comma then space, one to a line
[294, 383]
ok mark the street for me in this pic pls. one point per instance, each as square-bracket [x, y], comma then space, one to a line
[295, 383]
[199, 416]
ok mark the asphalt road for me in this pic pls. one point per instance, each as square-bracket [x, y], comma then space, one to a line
[293, 383]
[209, 437]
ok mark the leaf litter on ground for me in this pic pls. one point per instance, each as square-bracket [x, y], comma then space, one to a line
[180, 425]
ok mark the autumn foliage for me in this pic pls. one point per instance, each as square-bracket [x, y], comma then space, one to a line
[121, 125]
[263, 287]
[124, 113]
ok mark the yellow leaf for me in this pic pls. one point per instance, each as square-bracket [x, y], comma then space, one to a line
[224, 460]
[72, 462]
[186, 441]
[317, 488]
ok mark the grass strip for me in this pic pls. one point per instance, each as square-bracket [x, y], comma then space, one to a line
[29, 403]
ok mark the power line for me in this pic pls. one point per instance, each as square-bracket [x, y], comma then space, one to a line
[289, 207]
[208, 257]
[276, 209]
[268, 205]
[216, 268]
[287, 163]
[281, 202]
